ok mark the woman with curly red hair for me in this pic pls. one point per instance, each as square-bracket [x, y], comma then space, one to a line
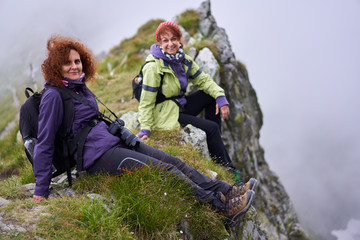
[68, 65]
[58, 49]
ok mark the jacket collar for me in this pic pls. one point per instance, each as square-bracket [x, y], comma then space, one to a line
[74, 84]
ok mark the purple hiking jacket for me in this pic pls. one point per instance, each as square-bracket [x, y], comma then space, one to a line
[97, 143]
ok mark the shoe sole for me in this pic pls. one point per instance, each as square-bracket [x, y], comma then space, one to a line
[233, 220]
[254, 185]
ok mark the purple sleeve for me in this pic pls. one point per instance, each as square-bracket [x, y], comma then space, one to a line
[50, 118]
[221, 101]
[143, 132]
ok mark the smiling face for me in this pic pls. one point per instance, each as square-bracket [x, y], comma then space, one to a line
[169, 42]
[73, 68]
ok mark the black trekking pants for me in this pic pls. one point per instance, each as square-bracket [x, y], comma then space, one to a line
[211, 125]
[120, 158]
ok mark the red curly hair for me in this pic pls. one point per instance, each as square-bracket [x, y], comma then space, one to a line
[169, 28]
[58, 53]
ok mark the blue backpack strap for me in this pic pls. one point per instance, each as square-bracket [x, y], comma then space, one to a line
[196, 74]
[160, 96]
[140, 72]
[189, 65]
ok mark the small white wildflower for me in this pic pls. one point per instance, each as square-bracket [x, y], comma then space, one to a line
[165, 193]
[181, 231]
[132, 233]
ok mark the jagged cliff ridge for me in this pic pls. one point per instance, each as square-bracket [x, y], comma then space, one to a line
[274, 216]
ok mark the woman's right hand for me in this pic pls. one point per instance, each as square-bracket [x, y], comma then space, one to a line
[38, 198]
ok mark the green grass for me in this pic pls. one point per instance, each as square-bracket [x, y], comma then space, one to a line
[81, 218]
[7, 110]
[11, 153]
[154, 204]
[143, 39]
[145, 204]
[189, 20]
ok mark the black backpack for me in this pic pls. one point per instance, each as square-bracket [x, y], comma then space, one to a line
[65, 143]
[137, 83]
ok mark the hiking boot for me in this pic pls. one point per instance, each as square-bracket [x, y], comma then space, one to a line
[237, 206]
[237, 191]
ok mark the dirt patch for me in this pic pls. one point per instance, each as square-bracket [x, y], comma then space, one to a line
[8, 172]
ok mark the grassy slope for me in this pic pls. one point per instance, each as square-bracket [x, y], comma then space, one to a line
[144, 205]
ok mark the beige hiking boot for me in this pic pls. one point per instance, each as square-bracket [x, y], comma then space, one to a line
[237, 191]
[237, 206]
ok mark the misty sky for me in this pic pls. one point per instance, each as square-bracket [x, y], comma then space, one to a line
[303, 60]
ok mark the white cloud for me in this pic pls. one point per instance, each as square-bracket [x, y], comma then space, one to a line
[352, 231]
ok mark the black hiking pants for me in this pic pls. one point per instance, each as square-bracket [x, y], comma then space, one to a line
[211, 125]
[120, 158]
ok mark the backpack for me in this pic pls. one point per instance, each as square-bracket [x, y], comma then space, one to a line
[64, 150]
[137, 83]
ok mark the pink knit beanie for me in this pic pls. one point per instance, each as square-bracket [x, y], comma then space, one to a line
[164, 24]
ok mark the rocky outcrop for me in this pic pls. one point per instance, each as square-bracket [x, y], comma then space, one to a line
[274, 216]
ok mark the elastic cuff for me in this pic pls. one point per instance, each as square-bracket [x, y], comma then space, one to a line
[143, 132]
[221, 101]
[42, 191]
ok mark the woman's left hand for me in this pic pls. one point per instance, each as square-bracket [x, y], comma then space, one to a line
[225, 111]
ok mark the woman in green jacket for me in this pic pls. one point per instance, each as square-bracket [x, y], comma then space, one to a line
[168, 72]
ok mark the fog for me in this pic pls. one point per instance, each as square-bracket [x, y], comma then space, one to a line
[303, 61]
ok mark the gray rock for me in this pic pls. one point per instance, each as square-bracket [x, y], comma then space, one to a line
[213, 175]
[3, 201]
[100, 198]
[131, 120]
[185, 35]
[185, 230]
[207, 62]
[30, 187]
[63, 192]
[205, 27]
[9, 227]
[207, 22]
[196, 137]
[192, 52]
